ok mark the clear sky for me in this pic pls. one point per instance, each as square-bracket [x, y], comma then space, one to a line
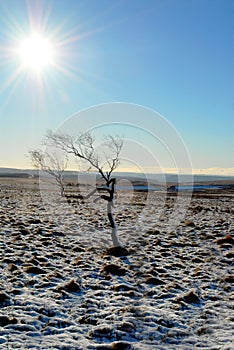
[173, 56]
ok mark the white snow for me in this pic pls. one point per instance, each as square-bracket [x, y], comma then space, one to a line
[174, 290]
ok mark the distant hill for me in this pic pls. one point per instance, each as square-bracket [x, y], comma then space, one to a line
[173, 178]
[15, 174]
[12, 172]
[152, 178]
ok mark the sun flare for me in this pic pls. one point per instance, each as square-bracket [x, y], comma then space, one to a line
[36, 52]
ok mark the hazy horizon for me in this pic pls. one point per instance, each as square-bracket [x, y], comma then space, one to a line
[121, 172]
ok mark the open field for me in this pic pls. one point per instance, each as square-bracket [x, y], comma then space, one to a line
[61, 289]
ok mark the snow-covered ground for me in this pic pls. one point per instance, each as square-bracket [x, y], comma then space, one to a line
[60, 289]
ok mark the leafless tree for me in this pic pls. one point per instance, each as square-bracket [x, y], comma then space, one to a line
[105, 164]
[52, 163]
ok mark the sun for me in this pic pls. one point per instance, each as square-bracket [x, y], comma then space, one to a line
[36, 52]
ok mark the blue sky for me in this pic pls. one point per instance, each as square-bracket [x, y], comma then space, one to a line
[173, 56]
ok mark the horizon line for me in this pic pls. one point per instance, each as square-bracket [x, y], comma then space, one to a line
[222, 172]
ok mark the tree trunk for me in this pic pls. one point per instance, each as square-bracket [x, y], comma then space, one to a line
[110, 200]
[114, 235]
[60, 184]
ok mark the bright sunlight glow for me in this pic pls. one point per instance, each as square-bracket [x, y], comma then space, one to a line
[36, 52]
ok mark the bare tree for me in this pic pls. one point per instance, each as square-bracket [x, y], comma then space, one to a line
[105, 164]
[52, 163]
